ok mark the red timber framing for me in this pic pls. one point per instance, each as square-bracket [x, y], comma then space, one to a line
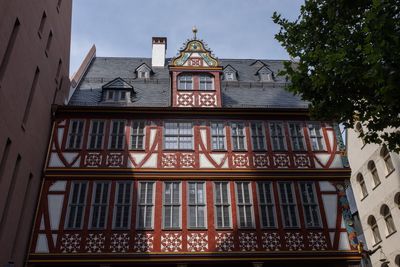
[328, 244]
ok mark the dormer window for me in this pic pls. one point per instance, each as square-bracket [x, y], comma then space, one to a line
[117, 90]
[230, 73]
[265, 74]
[143, 71]
[185, 82]
[206, 82]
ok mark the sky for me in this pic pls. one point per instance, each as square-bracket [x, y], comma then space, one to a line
[231, 28]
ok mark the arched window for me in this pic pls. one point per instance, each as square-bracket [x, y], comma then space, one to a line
[206, 82]
[374, 173]
[397, 260]
[374, 228]
[360, 131]
[387, 215]
[397, 199]
[363, 187]
[185, 82]
[388, 160]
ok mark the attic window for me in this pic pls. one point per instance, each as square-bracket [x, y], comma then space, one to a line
[114, 95]
[143, 71]
[144, 74]
[265, 74]
[229, 76]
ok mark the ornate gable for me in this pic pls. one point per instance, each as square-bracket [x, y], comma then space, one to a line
[195, 54]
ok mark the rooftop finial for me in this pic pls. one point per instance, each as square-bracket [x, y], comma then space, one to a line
[194, 30]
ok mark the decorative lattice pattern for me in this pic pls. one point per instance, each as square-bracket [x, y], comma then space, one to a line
[302, 161]
[224, 242]
[185, 100]
[93, 160]
[70, 243]
[187, 161]
[115, 159]
[281, 160]
[119, 242]
[271, 241]
[317, 241]
[294, 241]
[169, 160]
[240, 160]
[248, 241]
[95, 243]
[143, 242]
[171, 242]
[197, 242]
[260, 160]
[208, 100]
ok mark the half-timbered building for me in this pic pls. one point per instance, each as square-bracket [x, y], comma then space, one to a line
[191, 161]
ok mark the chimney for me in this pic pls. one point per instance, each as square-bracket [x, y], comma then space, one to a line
[158, 51]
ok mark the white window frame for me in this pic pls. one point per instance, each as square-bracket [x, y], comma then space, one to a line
[387, 159]
[218, 135]
[264, 204]
[101, 205]
[96, 135]
[123, 205]
[184, 78]
[229, 76]
[135, 135]
[145, 205]
[172, 205]
[77, 205]
[317, 139]
[207, 80]
[308, 204]
[242, 186]
[74, 135]
[236, 135]
[275, 136]
[196, 204]
[363, 187]
[293, 204]
[297, 136]
[255, 136]
[178, 135]
[222, 204]
[117, 135]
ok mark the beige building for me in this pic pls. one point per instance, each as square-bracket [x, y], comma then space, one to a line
[376, 184]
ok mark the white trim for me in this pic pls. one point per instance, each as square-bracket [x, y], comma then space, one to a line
[180, 207]
[229, 203]
[250, 191]
[152, 201]
[197, 205]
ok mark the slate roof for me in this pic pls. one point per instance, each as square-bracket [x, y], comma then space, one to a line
[247, 92]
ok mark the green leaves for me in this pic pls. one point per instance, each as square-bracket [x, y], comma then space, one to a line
[349, 63]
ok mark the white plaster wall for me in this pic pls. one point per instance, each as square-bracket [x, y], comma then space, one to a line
[384, 193]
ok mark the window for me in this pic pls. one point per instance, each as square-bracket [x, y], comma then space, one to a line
[316, 138]
[122, 205]
[288, 205]
[178, 135]
[117, 134]
[397, 199]
[172, 205]
[206, 82]
[388, 160]
[257, 136]
[363, 187]
[310, 204]
[49, 41]
[75, 134]
[99, 205]
[238, 136]
[137, 135]
[113, 95]
[387, 215]
[375, 230]
[296, 136]
[9, 48]
[244, 204]
[222, 205]
[96, 134]
[218, 136]
[143, 74]
[197, 205]
[76, 205]
[374, 173]
[267, 204]
[145, 205]
[229, 76]
[42, 23]
[185, 82]
[277, 136]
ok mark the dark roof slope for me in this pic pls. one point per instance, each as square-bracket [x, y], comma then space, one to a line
[247, 92]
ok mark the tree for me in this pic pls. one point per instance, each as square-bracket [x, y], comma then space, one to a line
[348, 65]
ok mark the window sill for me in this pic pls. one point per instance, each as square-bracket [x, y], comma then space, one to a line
[260, 150]
[375, 186]
[247, 228]
[389, 173]
[137, 150]
[223, 228]
[144, 229]
[172, 229]
[392, 233]
[239, 150]
[94, 149]
[178, 150]
[364, 197]
[377, 243]
[116, 149]
[219, 150]
[314, 227]
[197, 229]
